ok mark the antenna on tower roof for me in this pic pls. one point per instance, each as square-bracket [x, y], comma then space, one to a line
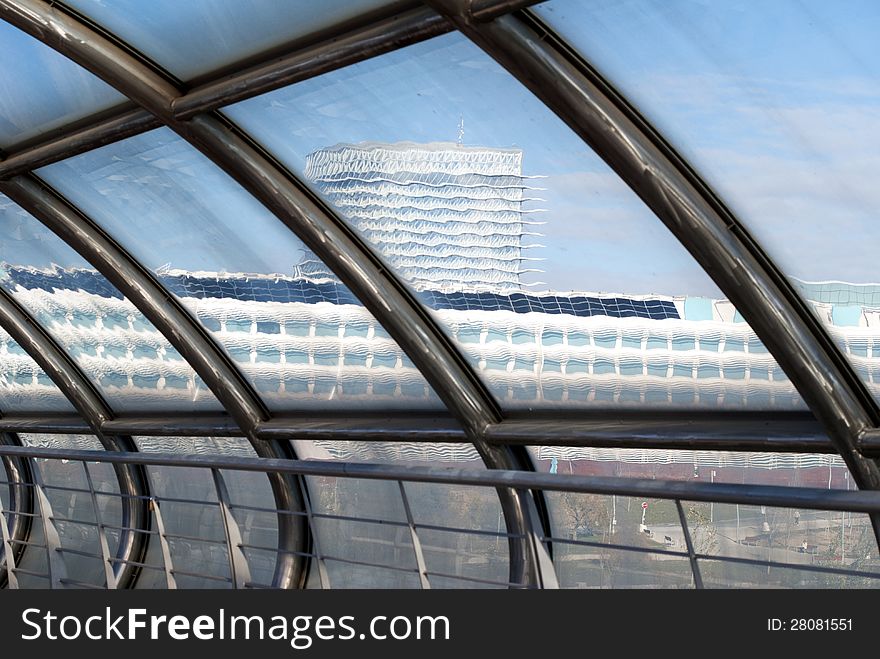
[460, 129]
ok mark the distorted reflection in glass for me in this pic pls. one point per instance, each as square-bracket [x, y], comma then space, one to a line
[299, 335]
[130, 362]
[556, 281]
[778, 108]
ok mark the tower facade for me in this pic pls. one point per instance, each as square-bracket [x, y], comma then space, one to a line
[448, 217]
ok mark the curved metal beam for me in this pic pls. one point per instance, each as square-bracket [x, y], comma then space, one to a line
[347, 43]
[320, 229]
[75, 385]
[145, 292]
[187, 336]
[20, 505]
[708, 230]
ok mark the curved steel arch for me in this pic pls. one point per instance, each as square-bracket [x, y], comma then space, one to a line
[75, 385]
[20, 505]
[697, 218]
[322, 231]
[186, 335]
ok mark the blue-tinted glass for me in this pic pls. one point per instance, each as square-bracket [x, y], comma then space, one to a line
[198, 36]
[132, 364]
[41, 89]
[778, 107]
[24, 386]
[518, 237]
[282, 318]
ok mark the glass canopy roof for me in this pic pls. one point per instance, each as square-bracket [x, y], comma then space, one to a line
[555, 280]
[45, 90]
[791, 90]
[541, 233]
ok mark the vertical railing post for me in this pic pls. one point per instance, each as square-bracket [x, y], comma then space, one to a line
[695, 568]
[416, 543]
[323, 577]
[109, 573]
[11, 578]
[238, 565]
[54, 560]
[170, 580]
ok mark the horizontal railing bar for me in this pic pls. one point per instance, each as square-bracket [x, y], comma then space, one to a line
[132, 529]
[16, 484]
[382, 566]
[39, 575]
[376, 428]
[199, 575]
[770, 495]
[786, 432]
[869, 442]
[505, 584]
[192, 538]
[783, 432]
[462, 531]
[604, 545]
[80, 584]
[146, 566]
[20, 513]
[26, 543]
[78, 522]
[789, 566]
[78, 552]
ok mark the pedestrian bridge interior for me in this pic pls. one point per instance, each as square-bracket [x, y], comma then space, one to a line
[443, 294]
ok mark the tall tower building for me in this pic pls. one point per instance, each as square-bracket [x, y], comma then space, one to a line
[448, 217]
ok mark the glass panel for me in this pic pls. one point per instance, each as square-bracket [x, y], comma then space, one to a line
[815, 538]
[300, 336]
[198, 36]
[779, 108]
[453, 552]
[74, 516]
[717, 530]
[203, 551]
[554, 279]
[718, 573]
[132, 364]
[44, 90]
[24, 386]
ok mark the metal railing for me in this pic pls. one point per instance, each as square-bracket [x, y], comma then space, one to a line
[215, 536]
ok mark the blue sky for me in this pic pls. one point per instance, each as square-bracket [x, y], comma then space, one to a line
[777, 104]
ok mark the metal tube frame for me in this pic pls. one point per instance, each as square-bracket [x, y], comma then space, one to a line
[693, 213]
[78, 389]
[784, 496]
[18, 516]
[850, 417]
[182, 331]
[317, 226]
